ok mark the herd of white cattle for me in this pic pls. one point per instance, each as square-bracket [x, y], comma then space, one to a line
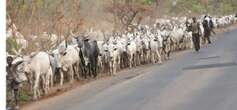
[145, 44]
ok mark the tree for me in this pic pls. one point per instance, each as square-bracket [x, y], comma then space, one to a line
[125, 13]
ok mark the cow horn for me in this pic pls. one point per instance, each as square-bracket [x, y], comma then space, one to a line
[74, 35]
[16, 64]
[33, 54]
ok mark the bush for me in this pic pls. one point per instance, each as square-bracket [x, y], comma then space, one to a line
[198, 8]
[147, 2]
[11, 46]
[24, 96]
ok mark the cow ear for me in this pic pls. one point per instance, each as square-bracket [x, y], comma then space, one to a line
[64, 53]
[51, 54]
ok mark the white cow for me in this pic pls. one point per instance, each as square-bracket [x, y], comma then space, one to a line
[155, 54]
[146, 49]
[132, 49]
[68, 60]
[177, 36]
[37, 67]
[114, 58]
[105, 54]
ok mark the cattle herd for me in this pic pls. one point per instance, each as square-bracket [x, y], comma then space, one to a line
[84, 58]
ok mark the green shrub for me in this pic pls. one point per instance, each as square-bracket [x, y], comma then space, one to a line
[198, 8]
[147, 2]
[24, 96]
[11, 45]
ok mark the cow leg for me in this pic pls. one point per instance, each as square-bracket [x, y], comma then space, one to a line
[110, 68]
[153, 57]
[122, 63]
[118, 60]
[208, 39]
[168, 54]
[125, 60]
[114, 66]
[156, 56]
[130, 61]
[149, 56]
[50, 77]
[98, 64]
[35, 87]
[135, 59]
[146, 57]
[95, 66]
[76, 71]
[38, 93]
[44, 83]
[140, 57]
[61, 77]
[159, 56]
[164, 52]
[15, 92]
[90, 69]
[71, 74]
[83, 71]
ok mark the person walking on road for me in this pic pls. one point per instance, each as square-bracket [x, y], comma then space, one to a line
[208, 28]
[195, 28]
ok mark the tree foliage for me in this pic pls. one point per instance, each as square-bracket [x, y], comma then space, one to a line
[126, 12]
[216, 7]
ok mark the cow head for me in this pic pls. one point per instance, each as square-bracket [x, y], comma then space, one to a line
[18, 69]
[79, 42]
[9, 60]
[55, 58]
[115, 48]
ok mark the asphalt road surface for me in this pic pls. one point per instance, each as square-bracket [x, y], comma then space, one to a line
[205, 80]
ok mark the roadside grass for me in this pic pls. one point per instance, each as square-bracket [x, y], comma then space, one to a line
[24, 96]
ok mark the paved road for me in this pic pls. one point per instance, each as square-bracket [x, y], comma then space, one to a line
[190, 81]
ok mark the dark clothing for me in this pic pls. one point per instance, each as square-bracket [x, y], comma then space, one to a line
[195, 35]
[11, 77]
[208, 28]
[195, 28]
[207, 34]
[12, 84]
[196, 41]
